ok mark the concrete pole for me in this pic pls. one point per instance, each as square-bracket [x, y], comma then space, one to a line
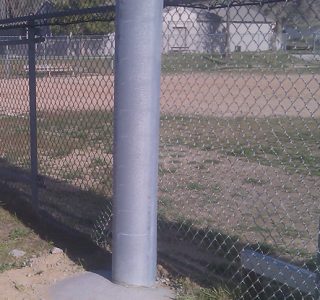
[136, 141]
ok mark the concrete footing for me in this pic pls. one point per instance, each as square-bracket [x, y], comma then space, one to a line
[96, 286]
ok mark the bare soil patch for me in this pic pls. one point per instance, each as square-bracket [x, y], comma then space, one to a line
[33, 281]
[230, 195]
[223, 94]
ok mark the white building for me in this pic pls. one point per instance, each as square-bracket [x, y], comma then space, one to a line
[191, 30]
[202, 31]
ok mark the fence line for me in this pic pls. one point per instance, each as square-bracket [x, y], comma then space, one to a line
[239, 142]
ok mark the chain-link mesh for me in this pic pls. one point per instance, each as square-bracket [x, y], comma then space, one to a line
[239, 164]
[16, 8]
[239, 154]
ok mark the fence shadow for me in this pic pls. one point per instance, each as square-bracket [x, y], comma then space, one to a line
[68, 215]
[60, 217]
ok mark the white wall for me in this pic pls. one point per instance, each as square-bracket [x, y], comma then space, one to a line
[182, 32]
[250, 37]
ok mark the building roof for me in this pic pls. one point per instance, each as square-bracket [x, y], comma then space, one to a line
[202, 15]
[239, 14]
[185, 2]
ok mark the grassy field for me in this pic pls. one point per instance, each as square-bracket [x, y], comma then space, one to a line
[239, 158]
[16, 67]
[256, 156]
[289, 143]
[266, 61]
[175, 63]
[16, 235]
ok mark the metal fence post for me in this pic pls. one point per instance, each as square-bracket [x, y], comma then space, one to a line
[33, 115]
[7, 61]
[136, 141]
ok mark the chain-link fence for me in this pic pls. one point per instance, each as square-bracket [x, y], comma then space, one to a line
[240, 148]
[239, 154]
[65, 46]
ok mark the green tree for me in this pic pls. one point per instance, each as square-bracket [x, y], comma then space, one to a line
[15, 8]
[299, 14]
[97, 26]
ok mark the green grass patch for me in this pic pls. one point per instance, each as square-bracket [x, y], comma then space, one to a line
[163, 171]
[290, 143]
[71, 174]
[190, 291]
[15, 235]
[266, 61]
[255, 181]
[195, 186]
[15, 67]
[18, 233]
[216, 188]
[59, 134]
[211, 161]
[171, 63]
[97, 162]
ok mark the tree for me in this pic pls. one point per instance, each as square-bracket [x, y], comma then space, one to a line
[16, 8]
[299, 14]
[94, 27]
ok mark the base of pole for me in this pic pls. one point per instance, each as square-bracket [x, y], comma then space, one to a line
[99, 286]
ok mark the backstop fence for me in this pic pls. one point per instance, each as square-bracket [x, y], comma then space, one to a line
[239, 160]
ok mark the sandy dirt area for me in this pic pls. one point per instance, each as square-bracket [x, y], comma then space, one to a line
[34, 280]
[218, 94]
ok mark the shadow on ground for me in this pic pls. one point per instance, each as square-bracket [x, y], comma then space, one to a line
[68, 217]
[65, 216]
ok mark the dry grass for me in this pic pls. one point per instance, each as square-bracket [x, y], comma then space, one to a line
[243, 170]
[16, 235]
[239, 159]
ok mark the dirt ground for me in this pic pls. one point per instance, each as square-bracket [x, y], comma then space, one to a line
[34, 280]
[30, 275]
[228, 194]
[223, 94]
[203, 188]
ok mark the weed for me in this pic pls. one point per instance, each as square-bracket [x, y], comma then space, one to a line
[216, 188]
[175, 161]
[165, 201]
[239, 193]
[191, 291]
[289, 231]
[71, 174]
[7, 266]
[211, 200]
[18, 233]
[163, 171]
[97, 162]
[258, 228]
[194, 186]
[19, 237]
[211, 161]
[242, 152]
[255, 181]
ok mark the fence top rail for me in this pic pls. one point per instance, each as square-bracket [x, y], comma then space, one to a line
[38, 19]
[22, 21]
[215, 4]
